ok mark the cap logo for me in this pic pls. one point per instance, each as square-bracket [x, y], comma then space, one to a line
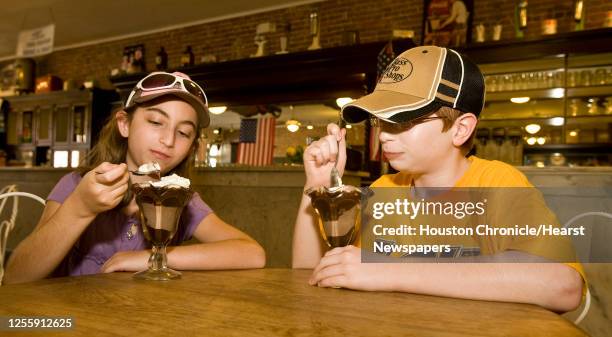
[397, 71]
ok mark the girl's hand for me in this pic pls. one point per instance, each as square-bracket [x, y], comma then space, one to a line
[127, 261]
[131, 209]
[102, 188]
[321, 156]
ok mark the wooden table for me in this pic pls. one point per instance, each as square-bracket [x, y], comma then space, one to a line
[265, 302]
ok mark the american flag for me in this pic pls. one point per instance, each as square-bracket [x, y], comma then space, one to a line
[383, 60]
[385, 57]
[256, 141]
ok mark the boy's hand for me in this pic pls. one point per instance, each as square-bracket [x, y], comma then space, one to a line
[102, 188]
[127, 261]
[342, 268]
[320, 156]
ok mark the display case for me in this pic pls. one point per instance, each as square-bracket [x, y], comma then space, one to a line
[550, 111]
[57, 128]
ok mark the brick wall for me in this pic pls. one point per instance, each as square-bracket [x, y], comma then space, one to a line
[374, 19]
[490, 13]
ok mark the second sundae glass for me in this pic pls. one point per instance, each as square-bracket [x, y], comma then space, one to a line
[160, 210]
[339, 213]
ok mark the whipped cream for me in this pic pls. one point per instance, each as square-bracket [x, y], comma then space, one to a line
[172, 181]
[149, 167]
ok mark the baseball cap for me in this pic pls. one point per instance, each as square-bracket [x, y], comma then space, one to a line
[158, 84]
[417, 83]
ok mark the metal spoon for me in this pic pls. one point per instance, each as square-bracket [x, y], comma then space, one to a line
[153, 174]
[335, 179]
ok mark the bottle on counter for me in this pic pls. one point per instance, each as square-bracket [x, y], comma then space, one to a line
[161, 60]
[520, 18]
[187, 59]
[202, 153]
[579, 14]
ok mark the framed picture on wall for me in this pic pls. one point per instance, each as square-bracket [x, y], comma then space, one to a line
[447, 23]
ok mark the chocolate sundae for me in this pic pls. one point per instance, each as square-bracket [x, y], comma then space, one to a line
[339, 213]
[161, 204]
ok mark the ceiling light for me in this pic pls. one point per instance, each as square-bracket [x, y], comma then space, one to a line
[309, 127]
[519, 100]
[557, 121]
[558, 93]
[292, 125]
[217, 110]
[531, 140]
[541, 140]
[573, 133]
[341, 101]
[532, 128]
[349, 126]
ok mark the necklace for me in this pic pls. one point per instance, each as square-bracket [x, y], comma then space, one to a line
[132, 231]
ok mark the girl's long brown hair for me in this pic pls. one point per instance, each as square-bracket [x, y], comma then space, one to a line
[112, 147]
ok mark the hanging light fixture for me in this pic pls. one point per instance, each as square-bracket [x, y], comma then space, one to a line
[217, 110]
[532, 128]
[292, 124]
[519, 100]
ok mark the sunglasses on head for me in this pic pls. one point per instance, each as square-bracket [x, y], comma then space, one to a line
[399, 127]
[160, 80]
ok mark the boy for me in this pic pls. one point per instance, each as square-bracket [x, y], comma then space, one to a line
[427, 105]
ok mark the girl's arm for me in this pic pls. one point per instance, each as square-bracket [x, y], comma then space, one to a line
[222, 247]
[61, 225]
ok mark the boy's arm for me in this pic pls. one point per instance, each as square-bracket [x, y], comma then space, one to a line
[308, 246]
[554, 286]
[319, 158]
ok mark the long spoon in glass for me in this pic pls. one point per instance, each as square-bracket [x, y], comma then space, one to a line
[335, 178]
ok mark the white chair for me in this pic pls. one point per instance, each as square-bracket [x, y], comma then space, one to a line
[587, 303]
[6, 226]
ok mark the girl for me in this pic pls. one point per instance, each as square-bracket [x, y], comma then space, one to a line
[86, 228]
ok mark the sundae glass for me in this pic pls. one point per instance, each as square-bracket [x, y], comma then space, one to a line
[160, 204]
[339, 211]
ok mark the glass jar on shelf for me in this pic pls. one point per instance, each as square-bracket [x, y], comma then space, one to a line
[593, 109]
[599, 76]
[574, 107]
[608, 105]
[559, 79]
[586, 76]
[572, 78]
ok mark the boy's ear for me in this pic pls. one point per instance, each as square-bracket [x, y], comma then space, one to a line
[123, 123]
[463, 128]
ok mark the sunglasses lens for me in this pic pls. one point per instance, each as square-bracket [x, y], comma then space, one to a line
[194, 89]
[158, 81]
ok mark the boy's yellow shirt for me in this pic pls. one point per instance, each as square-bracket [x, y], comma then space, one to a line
[488, 173]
